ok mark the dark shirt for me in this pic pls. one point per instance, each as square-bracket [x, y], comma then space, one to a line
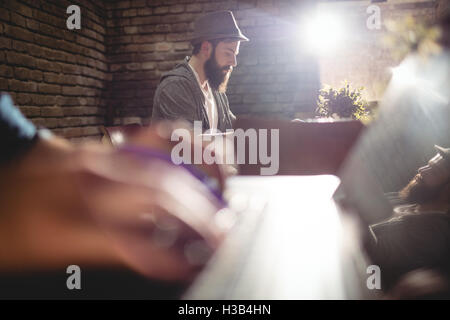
[17, 134]
[179, 96]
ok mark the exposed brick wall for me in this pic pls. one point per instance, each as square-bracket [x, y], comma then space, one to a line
[55, 75]
[145, 40]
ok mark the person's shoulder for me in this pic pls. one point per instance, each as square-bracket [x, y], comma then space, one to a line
[174, 81]
[180, 74]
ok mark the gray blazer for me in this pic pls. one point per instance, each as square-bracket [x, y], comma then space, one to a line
[179, 96]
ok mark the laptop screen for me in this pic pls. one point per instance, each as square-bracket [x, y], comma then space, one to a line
[414, 116]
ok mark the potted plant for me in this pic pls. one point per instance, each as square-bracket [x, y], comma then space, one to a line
[343, 103]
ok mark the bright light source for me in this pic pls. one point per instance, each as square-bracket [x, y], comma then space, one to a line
[322, 32]
[404, 73]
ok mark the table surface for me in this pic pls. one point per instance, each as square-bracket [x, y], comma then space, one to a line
[289, 241]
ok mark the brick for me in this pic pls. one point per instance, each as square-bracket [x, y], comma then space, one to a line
[155, 3]
[19, 33]
[182, 46]
[131, 30]
[163, 46]
[179, 27]
[145, 93]
[163, 28]
[285, 97]
[4, 15]
[4, 85]
[5, 43]
[116, 67]
[49, 30]
[49, 123]
[127, 94]
[145, 11]
[117, 58]
[123, 4]
[32, 24]
[69, 68]
[91, 63]
[129, 13]
[55, 54]
[88, 131]
[81, 60]
[52, 112]
[101, 65]
[172, 37]
[24, 10]
[122, 39]
[146, 29]
[47, 41]
[23, 99]
[27, 74]
[18, 20]
[59, 22]
[147, 47]
[175, 18]
[212, 7]
[149, 38]
[79, 121]
[6, 71]
[22, 46]
[133, 66]
[81, 111]
[165, 65]
[195, 7]
[69, 132]
[43, 100]
[72, 91]
[161, 10]
[177, 8]
[145, 20]
[28, 111]
[86, 42]
[257, 98]
[45, 65]
[77, 132]
[22, 86]
[233, 98]
[68, 101]
[148, 65]
[128, 48]
[138, 3]
[49, 88]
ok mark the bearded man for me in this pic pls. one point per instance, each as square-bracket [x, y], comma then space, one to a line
[195, 89]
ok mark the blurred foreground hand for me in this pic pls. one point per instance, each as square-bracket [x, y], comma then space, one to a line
[91, 205]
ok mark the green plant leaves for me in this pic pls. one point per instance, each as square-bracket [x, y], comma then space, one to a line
[343, 102]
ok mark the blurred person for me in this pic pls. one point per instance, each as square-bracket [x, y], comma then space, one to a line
[431, 184]
[99, 208]
[195, 89]
[418, 236]
[412, 247]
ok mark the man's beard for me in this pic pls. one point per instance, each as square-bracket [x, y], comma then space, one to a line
[217, 78]
[417, 192]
